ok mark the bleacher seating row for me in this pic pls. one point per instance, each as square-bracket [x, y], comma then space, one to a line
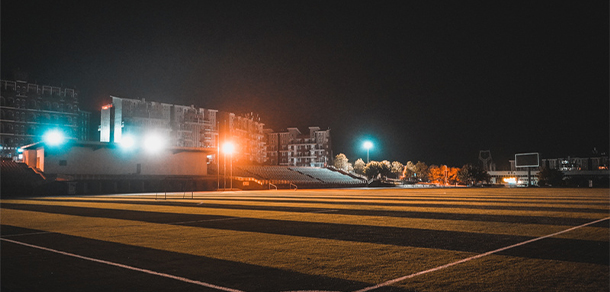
[18, 179]
[12, 171]
[301, 176]
[327, 175]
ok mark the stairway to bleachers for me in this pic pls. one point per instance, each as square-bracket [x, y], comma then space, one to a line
[18, 178]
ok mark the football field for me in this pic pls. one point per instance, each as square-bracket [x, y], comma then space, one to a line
[463, 239]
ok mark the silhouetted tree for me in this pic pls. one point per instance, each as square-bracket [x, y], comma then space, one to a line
[471, 174]
[421, 171]
[550, 177]
[376, 169]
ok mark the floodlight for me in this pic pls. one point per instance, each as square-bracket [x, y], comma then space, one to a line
[368, 145]
[228, 147]
[127, 142]
[153, 143]
[54, 137]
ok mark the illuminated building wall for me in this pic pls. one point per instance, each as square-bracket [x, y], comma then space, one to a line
[292, 148]
[577, 163]
[247, 133]
[183, 126]
[29, 109]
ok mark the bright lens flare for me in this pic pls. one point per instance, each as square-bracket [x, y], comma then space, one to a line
[154, 143]
[54, 137]
[228, 148]
[127, 142]
[368, 145]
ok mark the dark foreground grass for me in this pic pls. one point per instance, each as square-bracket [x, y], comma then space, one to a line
[327, 240]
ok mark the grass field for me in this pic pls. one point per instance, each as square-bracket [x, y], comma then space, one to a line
[321, 240]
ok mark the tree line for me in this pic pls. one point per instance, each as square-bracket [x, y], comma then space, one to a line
[410, 172]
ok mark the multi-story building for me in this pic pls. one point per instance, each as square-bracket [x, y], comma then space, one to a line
[577, 163]
[28, 110]
[184, 126]
[292, 148]
[247, 133]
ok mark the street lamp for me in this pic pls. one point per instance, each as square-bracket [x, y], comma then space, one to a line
[368, 145]
[228, 148]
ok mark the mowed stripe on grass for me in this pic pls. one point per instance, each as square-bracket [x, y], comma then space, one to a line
[355, 260]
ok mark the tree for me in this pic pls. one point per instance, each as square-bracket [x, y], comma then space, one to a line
[435, 174]
[376, 169]
[421, 171]
[397, 168]
[359, 166]
[471, 174]
[341, 162]
[372, 169]
[386, 169]
[452, 175]
[408, 171]
[350, 167]
[550, 177]
[443, 174]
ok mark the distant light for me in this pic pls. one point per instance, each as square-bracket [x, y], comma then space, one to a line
[510, 180]
[106, 107]
[20, 157]
[127, 142]
[154, 143]
[20, 150]
[54, 137]
[368, 145]
[228, 148]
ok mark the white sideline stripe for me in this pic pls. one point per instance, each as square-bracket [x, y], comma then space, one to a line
[125, 266]
[390, 282]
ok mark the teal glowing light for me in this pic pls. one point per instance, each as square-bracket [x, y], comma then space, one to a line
[368, 145]
[127, 142]
[54, 137]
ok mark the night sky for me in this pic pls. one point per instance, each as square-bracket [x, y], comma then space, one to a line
[434, 81]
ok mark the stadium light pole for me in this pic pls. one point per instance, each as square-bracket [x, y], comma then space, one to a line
[368, 145]
[229, 148]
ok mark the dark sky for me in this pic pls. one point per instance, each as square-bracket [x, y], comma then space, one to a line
[434, 81]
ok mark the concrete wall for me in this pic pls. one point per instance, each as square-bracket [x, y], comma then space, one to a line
[104, 160]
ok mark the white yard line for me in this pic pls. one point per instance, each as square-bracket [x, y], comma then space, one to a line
[393, 281]
[125, 266]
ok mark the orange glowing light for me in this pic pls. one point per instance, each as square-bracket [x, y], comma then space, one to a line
[510, 180]
[106, 107]
[228, 147]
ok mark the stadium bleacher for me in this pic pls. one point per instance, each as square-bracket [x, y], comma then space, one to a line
[300, 176]
[18, 178]
[327, 176]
